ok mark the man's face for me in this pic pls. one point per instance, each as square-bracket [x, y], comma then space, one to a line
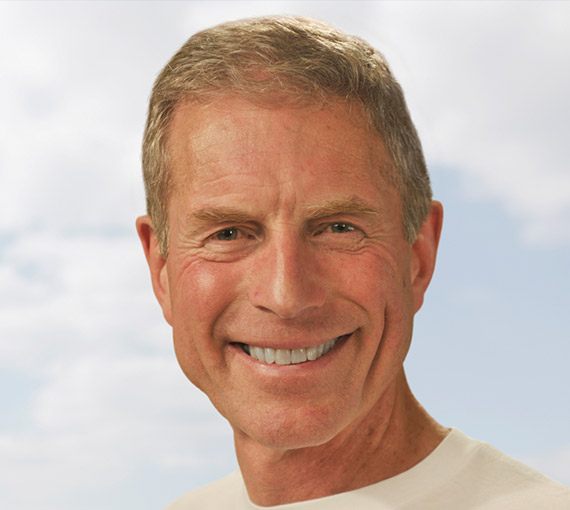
[285, 235]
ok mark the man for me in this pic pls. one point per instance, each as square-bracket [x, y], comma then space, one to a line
[291, 236]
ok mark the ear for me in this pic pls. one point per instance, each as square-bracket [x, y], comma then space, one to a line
[156, 263]
[424, 251]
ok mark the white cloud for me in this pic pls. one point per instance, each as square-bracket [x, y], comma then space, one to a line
[63, 296]
[486, 82]
[76, 307]
[70, 135]
[96, 419]
[488, 85]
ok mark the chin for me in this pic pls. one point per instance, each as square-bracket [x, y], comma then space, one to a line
[292, 429]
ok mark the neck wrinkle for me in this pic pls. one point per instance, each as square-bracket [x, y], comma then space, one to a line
[392, 437]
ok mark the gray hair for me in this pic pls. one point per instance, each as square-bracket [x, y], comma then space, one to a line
[297, 60]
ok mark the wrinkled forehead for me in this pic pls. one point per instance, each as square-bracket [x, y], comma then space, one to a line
[201, 129]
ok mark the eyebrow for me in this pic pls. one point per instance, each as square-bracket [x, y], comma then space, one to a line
[351, 206]
[210, 216]
[218, 215]
[224, 214]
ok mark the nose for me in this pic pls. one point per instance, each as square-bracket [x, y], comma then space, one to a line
[285, 278]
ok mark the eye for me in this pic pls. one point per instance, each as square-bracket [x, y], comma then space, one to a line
[336, 228]
[227, 234]
[230, 240]
[341, 228]
[339, 235]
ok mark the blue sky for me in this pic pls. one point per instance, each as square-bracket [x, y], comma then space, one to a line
[96, 413]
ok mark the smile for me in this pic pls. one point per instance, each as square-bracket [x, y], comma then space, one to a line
[269, 355]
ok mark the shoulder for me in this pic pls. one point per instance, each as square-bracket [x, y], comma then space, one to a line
[499, 481]
[222, 493]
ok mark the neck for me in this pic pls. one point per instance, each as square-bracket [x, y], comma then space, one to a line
[393, 436]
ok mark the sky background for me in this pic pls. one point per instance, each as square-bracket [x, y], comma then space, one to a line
[95, 413]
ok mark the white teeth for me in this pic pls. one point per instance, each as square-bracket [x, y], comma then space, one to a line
[298, 356]
[258, 353]
[289, 356]
[312, 353]
[269, 355]
[283, 356]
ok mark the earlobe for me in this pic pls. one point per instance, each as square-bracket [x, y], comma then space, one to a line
[156, 263]
[424, 252]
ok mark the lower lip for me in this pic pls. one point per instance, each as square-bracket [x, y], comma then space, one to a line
[291, 369]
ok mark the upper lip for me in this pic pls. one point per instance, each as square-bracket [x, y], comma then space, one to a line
[301, 343]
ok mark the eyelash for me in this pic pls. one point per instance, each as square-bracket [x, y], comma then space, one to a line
[237, 230]
[347, 228]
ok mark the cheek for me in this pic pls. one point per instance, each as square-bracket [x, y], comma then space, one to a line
[372, 280]
[200, 293]
[382, 289]
[202, 290]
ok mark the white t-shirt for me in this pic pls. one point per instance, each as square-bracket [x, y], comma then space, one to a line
[460, 474]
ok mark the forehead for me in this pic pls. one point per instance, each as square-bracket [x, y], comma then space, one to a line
[269, 144]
